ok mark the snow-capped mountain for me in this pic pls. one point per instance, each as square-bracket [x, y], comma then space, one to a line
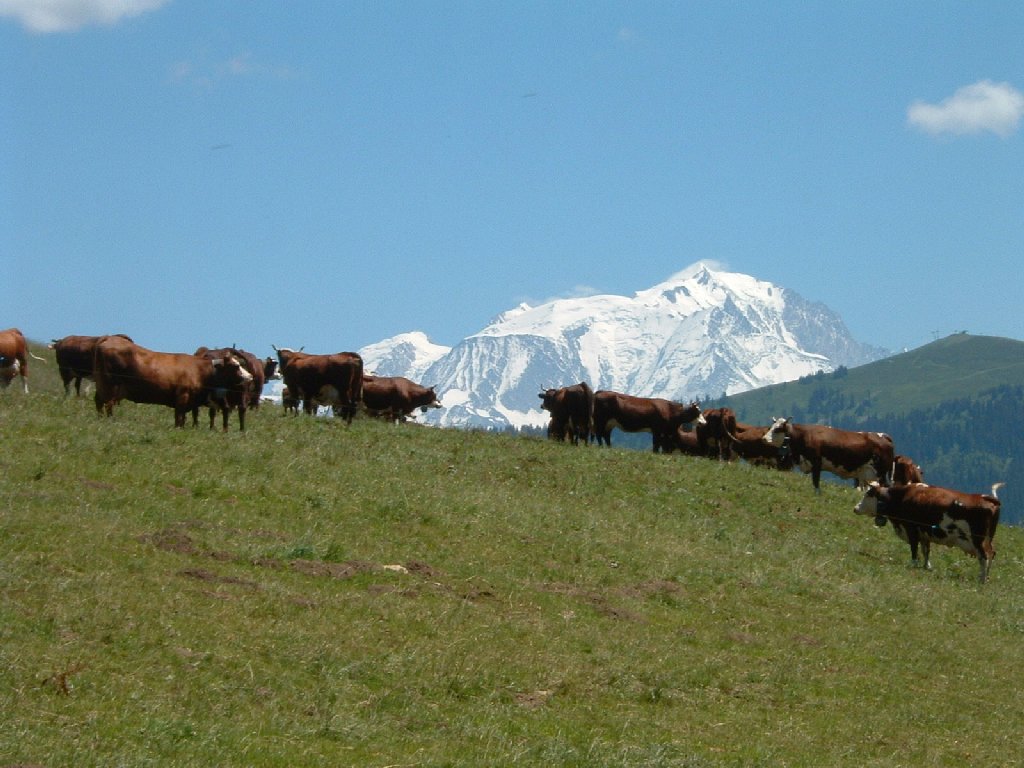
[701, 332]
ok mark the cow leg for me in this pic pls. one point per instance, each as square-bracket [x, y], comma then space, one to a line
[816, 475]
[241, 419]
[985, 555]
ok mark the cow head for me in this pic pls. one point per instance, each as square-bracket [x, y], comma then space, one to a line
[270, 369]
[777, 432]
[230, 371]
[875, 500]
[285, 355]
[549, 398]
[432, 402]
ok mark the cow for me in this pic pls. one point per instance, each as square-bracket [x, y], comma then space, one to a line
[685, 441]
[14, 355]
[125, 370]
[291, 404]
[74, 359]
[905, 471]
[922, 514]
[717, 433]
[335, 379]
[395, 397]
[242, 397]
[641, 414]
[863, 456]
[749, 444]
[572, 412]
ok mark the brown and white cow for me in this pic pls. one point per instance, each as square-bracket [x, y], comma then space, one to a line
[125, 370]
[335, 380]
[749, 444]
[14, 355]
[658, 416]
[905, 471]
[572, 412]
[395, 397]
[242, 397]
[717, 433]
[74, 359]
[924, 514]
[863, 456]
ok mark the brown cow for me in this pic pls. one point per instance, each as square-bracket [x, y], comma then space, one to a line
[395, 397]
[242, 397]
[335, 380]
[905, 471]
[124, 370]
[863, 456]
[717, 433]
[922, 514]
[641, 414]
[749, 444]
[572, 412]
[74, 359]
[14, 355]
[290, 403]
[685, 441]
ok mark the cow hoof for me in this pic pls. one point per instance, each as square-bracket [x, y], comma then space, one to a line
[880, 521]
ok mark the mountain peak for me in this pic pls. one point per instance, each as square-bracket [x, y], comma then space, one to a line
[703, 331]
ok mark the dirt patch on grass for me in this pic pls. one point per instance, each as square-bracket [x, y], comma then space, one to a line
[201, 574]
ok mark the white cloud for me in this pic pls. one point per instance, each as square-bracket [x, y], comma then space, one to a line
[977, 108]
[69, 15]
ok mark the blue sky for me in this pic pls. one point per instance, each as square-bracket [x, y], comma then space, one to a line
[330, 174]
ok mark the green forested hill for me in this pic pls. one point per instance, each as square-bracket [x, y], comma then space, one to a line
[956, 406]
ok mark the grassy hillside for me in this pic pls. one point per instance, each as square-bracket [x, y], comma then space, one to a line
[310, 594]
[959, 366]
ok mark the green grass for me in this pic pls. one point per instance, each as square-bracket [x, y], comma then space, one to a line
[192, 598]
[958, 366]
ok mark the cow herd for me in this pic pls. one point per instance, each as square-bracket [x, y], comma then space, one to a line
[224, 380]
[895, 492]
[230, 379]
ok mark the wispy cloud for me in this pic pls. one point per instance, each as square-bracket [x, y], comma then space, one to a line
[205, 73]
[978, 108]
[628, 36]
[69, 15]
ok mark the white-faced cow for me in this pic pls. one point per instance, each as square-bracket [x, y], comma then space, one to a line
[124, 370]
[863, 456]
[396, 397]
[923, 514]
[749, 444]
[14, 355]
[335, 380]
[241, 397]
[74, 359]
[572, 412]
[641, 414]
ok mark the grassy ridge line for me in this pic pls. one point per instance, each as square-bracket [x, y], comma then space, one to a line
[182, 597]
[951, 368]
